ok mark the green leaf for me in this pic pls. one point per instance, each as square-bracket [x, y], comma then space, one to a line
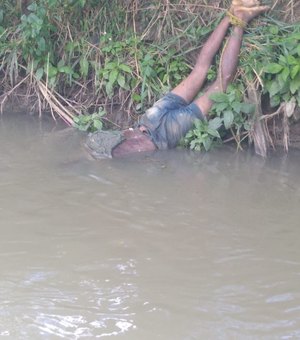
[274, 88]
[207, 144]
[295, 71]
[198, 147]
[231, 96]
[66, 69]
[61, 63]
[221, 106]
[83, 119]
[285, 73]
[274, 30]
[111, 66]
[52, 3]
[219, 97]
[228, 119]
[275, 101]
[109, 89]
[193, 144]
[52, 81]
[237, 107]
[42, 44]
[165, 79]
[247, 108]
[39, 73]
[281, 83]
[298, 98]
[199, 124]
[83, 127]
[247, 126]
[125, 68]
[295, 85]
[213, 133]
[121, 80]
[82, 3]
[113, 76]
[52, 71]
[292, 60]
[136, 97]
[32, 7]
[215, 123]
[98, 124]
[190, 134]
[149, 71]
[101, 112]
[295, 36]
[273, 68]
[84, 67]
[286, 97]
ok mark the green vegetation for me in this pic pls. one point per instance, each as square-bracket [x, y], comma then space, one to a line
[72, 57]
[270, 64]
[229, 112]
[92, 122]
[282, 78]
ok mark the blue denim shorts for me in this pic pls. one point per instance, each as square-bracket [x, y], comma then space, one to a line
[169, 119]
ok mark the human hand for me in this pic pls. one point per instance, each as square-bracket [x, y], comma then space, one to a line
[247, 10]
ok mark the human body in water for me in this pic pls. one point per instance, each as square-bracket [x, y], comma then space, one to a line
[169, 119]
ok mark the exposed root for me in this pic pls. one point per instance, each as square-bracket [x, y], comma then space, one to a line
[279, 128]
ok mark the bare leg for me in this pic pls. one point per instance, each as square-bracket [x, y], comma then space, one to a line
[229, 60]
[190, 86]
[227, 70]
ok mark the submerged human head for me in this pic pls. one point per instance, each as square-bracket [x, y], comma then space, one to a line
[107, 144]
[135, 141]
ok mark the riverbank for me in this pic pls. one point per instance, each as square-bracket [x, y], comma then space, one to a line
[100, 66]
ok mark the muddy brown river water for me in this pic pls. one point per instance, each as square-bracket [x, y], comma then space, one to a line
[174, 245]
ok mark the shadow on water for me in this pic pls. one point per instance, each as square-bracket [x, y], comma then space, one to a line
[170, 245]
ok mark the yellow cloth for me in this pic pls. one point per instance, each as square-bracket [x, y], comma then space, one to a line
[235, 21]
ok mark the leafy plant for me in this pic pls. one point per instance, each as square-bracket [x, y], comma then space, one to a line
[115, 73]
[204, 135]
[36, 30]
[171, 69]
[275, 61]
[231, 109]
[91, 123]
[282, 78]
[229, 112]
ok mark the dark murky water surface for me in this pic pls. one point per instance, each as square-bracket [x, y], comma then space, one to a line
[170, 246]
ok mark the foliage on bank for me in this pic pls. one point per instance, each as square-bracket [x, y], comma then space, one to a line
[83, 59]
[269, 76]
